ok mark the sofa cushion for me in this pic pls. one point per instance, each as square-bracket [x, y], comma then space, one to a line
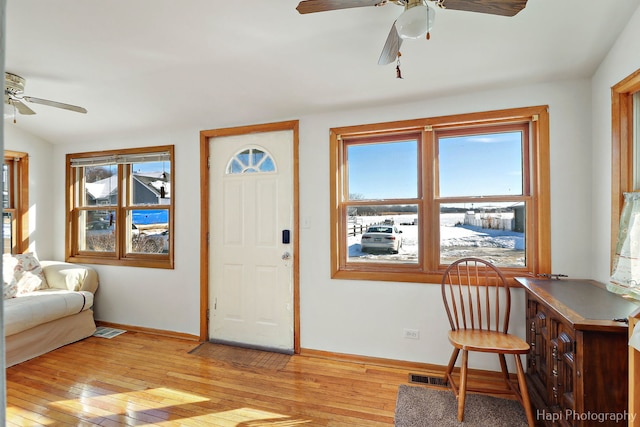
[72, 277]
[27, 272]
[35, 308]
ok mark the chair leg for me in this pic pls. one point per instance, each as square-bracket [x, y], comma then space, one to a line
[450, 366]
[504, 369]
[463, 385]
[524, 392]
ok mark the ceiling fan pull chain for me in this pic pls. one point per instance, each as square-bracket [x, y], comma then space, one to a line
[398, 72]
[428, 32]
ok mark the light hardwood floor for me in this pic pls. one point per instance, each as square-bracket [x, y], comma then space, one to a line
[143, 379]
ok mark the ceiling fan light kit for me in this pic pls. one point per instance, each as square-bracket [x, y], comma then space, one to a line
[417, 19]
[10, 111]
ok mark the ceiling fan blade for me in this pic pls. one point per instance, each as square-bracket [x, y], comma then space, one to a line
[55, 104]
[391, 47]
[312, 6]
[493, 7]
[20, 106]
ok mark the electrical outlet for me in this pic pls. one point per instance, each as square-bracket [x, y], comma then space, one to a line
[413, 334]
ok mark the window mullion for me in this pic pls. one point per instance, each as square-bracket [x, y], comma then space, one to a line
[124, 197]
[430, 209]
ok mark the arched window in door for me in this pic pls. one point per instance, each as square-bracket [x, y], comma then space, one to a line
[251, 160]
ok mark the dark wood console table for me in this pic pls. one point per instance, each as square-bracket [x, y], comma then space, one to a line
[577, 369]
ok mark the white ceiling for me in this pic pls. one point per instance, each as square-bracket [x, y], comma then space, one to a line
[156, 65]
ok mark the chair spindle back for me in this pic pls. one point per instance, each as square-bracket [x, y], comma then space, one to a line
[476, 296]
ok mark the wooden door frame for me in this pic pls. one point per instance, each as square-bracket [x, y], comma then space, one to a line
[205, 187]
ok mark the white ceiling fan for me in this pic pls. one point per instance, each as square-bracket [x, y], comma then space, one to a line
[417, 19]
[14, 97]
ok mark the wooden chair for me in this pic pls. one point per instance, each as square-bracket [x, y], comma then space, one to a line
[477, 299]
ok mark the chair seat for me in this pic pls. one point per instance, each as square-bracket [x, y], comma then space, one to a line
[488, 341]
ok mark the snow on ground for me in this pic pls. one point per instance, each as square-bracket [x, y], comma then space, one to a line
[455, 241]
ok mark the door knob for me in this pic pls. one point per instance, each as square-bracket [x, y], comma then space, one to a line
[286, 256]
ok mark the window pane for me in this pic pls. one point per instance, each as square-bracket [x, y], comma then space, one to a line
[494, 232]
[481, 165]
[151, 183]
[101, 183]
[251, 160]
[6, 190]
[235, 167]
[382, 233]
[149, 231]
[383, 171]
[98, 233]
[7, 232]
[267, 165]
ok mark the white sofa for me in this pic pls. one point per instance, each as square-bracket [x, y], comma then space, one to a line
[58, 313]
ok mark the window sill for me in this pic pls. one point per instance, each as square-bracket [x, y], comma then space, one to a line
[434, 277]
[127, 262]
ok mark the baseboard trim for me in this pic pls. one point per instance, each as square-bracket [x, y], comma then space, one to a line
[368, 360]
[400, 364]
[151, 331]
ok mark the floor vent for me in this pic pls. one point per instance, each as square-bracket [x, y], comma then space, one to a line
[423, 379]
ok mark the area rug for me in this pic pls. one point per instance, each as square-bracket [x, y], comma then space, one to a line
[423, 407]
[242, 357]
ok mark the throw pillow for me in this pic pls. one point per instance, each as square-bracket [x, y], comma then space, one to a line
[29, 274]
[10, 285]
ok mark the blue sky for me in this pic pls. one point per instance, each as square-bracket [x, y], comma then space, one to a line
[386, 170]
[481, 165]
[152, 167]
[469, 166]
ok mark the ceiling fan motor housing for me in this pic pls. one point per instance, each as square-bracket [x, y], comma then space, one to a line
[14, 83]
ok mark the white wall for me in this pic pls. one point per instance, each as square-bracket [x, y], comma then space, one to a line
[622, 60]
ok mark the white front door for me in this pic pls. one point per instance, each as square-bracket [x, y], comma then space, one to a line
[251, 240]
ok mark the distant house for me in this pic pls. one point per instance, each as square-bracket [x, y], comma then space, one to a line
[149, 188]
[103, 192]
[152, 188]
